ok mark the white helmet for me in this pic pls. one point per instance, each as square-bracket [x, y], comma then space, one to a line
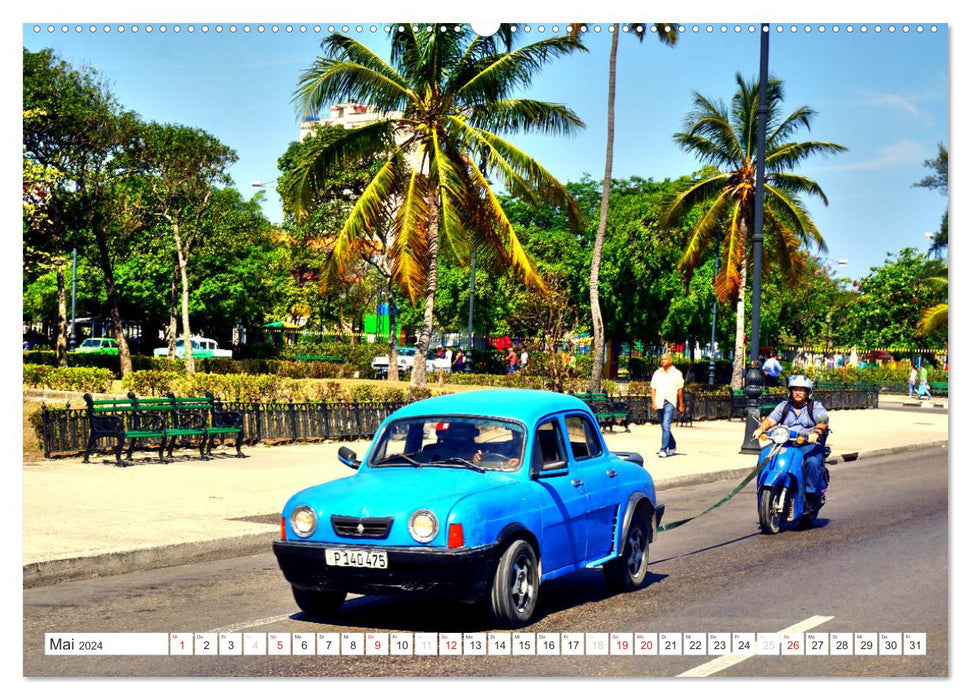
[800, 381]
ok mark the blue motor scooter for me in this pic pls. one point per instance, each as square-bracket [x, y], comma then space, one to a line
[781, 487]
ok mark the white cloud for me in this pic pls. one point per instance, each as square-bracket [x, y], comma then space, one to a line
[903, 152]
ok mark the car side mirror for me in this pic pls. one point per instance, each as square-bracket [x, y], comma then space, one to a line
[348, 457]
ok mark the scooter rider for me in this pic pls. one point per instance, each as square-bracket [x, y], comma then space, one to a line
[805, 415]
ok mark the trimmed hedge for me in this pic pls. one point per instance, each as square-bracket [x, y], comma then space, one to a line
[82, 379]
[265, 387]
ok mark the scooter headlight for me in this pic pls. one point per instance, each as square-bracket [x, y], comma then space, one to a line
[779, 435]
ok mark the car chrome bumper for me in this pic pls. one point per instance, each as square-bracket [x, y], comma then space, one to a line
[458, 574]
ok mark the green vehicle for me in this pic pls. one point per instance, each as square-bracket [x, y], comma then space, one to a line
[98, 346]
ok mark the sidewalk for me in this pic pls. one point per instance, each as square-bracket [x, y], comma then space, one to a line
[87, 520]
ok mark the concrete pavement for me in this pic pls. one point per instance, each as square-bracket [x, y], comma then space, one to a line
[88, 520]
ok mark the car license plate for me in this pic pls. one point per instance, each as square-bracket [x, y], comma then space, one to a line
[362, 558]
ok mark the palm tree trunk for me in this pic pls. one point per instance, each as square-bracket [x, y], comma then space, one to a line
[595, 314]
[190, 364]
[738, 363]
[425, 334]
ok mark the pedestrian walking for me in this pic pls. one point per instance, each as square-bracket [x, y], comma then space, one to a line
[772, 370]
[912, 384]
[523, 359]
[923, 389]
[667, 393]
[512, 360]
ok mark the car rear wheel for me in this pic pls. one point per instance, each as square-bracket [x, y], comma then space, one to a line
[515, 585]
[628, 572]
[318, 604]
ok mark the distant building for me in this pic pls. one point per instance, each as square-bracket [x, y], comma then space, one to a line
[350, 115]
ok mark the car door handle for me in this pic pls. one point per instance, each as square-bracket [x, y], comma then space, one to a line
[611, 473]
[577, 482]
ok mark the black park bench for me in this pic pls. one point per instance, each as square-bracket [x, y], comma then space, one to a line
[607, 412]
[164, 419]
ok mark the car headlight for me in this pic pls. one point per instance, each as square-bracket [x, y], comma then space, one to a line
[303, 521]
[423, 525]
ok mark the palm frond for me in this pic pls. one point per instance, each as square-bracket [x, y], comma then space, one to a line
[797, 184]
[785, 244]
[728, 281]
[409, 247]
[499, 75]
[702, 234]
[802, 116]
[527, 116]
[932, 319]
[788, 207]
[787, 156]
[330, 80]
[706, 150]
[367, 215]
[321, 162]
[696, 193]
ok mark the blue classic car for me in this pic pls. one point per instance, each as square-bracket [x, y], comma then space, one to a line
[474, 496]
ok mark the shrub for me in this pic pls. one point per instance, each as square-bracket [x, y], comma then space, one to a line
[82, 379]
[152, 382]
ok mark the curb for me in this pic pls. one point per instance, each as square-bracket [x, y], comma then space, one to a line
[45, 573]
[55, 571]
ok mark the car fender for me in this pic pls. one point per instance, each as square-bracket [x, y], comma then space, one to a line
[633, 502]
[490, 516]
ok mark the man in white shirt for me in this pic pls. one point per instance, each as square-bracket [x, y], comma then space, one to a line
[667, 392]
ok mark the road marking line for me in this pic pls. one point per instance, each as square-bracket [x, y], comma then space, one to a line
[729, 660]
[252, 623]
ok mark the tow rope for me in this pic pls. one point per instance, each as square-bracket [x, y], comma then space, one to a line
[731, 495]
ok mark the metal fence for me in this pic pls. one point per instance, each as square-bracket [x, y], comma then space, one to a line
[65, 430]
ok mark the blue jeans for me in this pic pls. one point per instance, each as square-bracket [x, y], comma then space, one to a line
[812, 466]
[667, 438]
[910, 389]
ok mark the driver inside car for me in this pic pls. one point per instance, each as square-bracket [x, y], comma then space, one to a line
[807, 416]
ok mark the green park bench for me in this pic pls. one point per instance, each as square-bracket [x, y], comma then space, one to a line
[167, 419]
[739, 402]
[938, 388]
[607, 412]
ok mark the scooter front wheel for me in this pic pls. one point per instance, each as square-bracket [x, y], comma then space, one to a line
[770, 511]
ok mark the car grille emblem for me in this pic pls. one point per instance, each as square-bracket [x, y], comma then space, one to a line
[360, 528]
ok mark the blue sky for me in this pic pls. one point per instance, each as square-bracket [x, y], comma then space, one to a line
[884, 95]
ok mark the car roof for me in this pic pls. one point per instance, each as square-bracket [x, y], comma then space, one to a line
[526, 405]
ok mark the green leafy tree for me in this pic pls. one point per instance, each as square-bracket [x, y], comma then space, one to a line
[888, 305]
[446, 97]
[80, 130]
[727, 139]
[937, 181]
[183, 166]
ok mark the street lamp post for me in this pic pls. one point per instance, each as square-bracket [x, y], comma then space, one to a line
[754, 378]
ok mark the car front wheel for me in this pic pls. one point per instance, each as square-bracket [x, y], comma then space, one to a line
[515, 585]
[629, 571]
[318, 604]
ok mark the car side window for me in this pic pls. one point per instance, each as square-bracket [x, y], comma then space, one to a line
[582, 436]
[549, 447]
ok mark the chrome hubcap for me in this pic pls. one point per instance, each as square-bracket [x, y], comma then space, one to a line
[521, 590]
[636, 558]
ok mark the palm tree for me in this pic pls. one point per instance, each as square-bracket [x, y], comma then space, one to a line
[667, 35]
[726, 196]
[447, 99]
[936, 316]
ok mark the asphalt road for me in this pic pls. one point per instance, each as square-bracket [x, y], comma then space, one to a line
[876, 562]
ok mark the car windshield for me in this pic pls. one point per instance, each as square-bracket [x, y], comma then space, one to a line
[91, 344]
[406, 352]
[451, 441]
[181, 343]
